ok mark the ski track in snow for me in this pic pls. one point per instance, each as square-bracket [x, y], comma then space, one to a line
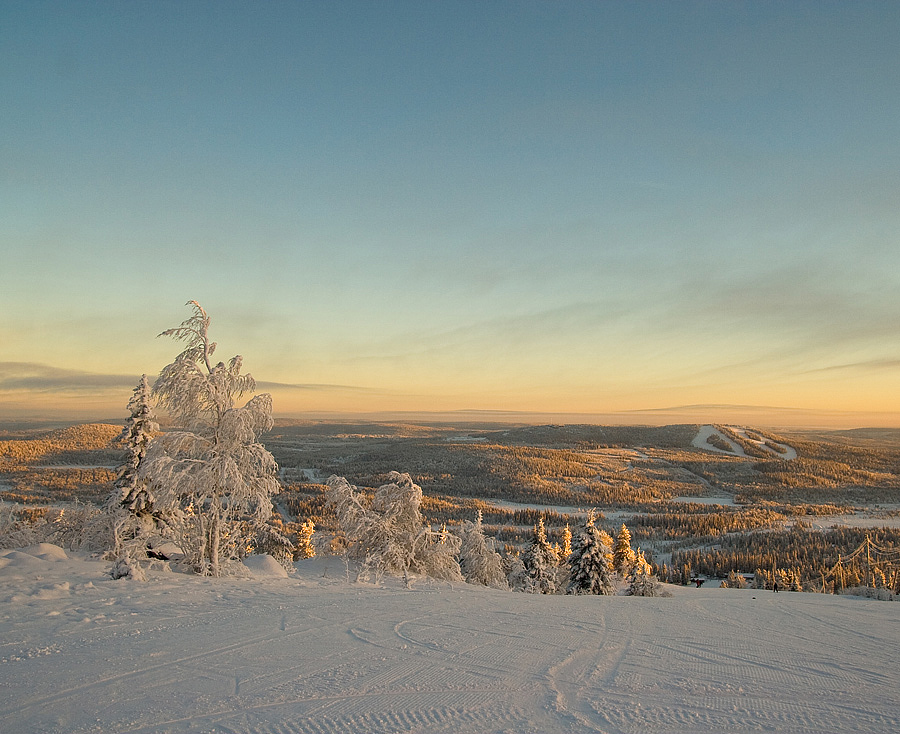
[81, 653]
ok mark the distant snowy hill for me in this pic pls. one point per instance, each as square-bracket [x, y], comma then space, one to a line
[82, 653]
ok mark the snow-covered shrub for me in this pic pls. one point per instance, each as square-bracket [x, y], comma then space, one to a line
[439, 555]
[542, 563]
[642, 582]
[479, 563]
[389, 535]
[590, 569]
[127, 568]
[516, 574]
[78, 527]
[269, 539]
[213, 473]
[16, 531]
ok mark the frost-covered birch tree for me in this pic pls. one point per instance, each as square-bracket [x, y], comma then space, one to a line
[480, 564]
[213, 469]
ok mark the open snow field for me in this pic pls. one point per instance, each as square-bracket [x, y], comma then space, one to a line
[80, 652]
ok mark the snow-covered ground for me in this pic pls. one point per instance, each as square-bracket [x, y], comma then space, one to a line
[83, 653]
[862, 519]
[726, 500]
[513, 506]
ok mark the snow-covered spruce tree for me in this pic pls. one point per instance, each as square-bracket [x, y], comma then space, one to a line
[623, 555]
[389, 535]
[479, 563]
[642, 582]
[590, 570]
[130, 505]
[213, 470]
[136, 436]
[541, 562]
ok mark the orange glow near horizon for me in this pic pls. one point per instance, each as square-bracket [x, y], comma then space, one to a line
[797, 405]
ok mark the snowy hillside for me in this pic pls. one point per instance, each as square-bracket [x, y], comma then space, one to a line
[312, 653]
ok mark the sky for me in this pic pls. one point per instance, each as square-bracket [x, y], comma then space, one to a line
[568, 208]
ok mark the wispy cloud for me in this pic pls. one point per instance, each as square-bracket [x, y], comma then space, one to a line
[870, 364]
[314, 387]
[31, 376]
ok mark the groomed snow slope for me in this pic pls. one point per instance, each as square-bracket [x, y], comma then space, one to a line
[83, 653]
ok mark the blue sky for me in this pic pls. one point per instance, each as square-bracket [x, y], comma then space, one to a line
[531, 206]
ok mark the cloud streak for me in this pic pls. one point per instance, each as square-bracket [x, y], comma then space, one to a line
[314, 387]
[35, 377]
[871, 364]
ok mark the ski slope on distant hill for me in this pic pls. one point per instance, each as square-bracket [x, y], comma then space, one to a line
[82, 653]
[700, 441]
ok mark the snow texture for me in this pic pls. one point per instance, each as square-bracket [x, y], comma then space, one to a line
[82, 653]
[264, 566]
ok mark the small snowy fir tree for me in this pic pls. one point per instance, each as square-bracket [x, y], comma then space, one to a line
[566, 549]
[623, 555]
[130, 506]
[642, 582]
[541, 562]
[213, 471]
[590, 570]
[389, 535]
[136, 436]
[479, 563]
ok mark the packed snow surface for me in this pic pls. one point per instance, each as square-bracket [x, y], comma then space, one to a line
[80, 652]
